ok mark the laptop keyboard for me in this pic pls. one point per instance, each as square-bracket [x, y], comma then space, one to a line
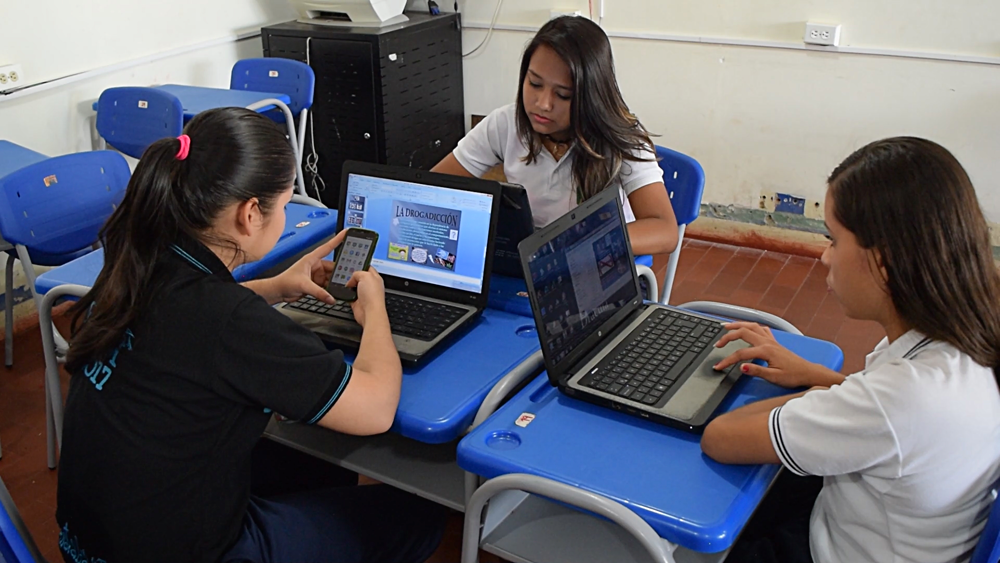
[645, 366]
[408, 316]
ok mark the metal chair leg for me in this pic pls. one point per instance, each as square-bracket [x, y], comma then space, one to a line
[53, 391]
[9, 313]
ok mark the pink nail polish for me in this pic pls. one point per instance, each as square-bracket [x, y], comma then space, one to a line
[745, 368]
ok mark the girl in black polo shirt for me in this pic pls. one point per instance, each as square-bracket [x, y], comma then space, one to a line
[176, 369]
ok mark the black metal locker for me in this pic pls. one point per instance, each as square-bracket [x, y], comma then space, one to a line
[391, 95]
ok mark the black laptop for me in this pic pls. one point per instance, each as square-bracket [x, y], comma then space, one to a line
[434, 251]
[515, 225]
[601, 342]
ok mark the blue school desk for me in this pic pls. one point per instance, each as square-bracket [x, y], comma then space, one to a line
[305, 227]
[659, 473]
[196, 99]
[14, 157]
[438, 402]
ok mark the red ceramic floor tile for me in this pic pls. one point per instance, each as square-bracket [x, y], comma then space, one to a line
[764, 271]
[733, 273]
[711, 264]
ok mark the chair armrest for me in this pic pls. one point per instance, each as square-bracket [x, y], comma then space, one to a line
[742, 314]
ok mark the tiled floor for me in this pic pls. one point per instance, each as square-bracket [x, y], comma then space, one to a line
[792, 287]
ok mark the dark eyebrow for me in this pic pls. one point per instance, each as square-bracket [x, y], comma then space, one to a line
[538, 76]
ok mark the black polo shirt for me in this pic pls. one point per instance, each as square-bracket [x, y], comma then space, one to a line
[155, 461]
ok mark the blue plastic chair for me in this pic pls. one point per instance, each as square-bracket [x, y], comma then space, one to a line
[284, 76]
[52, 210]
[988, 548]
[132, 118]
[685, 182]
[16, 543]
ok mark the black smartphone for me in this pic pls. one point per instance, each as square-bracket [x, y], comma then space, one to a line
[355, 253]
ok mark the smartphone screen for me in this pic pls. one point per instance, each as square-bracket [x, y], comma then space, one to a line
[353, 257]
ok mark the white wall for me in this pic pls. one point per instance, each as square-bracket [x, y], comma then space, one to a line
[762, 120]
[68, 37]
[61, 37]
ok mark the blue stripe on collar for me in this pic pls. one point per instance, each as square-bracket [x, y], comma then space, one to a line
[180, 252]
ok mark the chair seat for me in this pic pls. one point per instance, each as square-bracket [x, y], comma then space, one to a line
[39, 258]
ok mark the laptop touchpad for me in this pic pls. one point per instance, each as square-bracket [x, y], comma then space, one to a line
[694, 394]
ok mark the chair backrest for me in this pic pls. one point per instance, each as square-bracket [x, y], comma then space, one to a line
[988, 548]
[274, 74]
[685, 182]
[58, 205]
[132, 118]
[16, 544]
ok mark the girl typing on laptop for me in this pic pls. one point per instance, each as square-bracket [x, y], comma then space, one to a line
[569, 135]
[176, 369]
[909, 448]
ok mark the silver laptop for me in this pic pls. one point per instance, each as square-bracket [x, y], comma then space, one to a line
[601, 342]
[434, 252]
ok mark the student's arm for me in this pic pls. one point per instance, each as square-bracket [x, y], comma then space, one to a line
[784, 368]
[451, 165]
[308, 276]
[368, 403]
[742, 435]
[654, 230]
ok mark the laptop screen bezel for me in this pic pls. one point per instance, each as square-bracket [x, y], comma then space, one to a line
[477, 185]
[515, 211]
[530, 245]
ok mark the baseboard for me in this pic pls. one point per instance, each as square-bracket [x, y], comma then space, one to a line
[761, 237]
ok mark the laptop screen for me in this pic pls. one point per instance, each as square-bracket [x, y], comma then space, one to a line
[426, 233]
[582, 277]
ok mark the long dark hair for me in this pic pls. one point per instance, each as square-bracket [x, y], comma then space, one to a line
[606, 132]
[912, 201]
[235, 155]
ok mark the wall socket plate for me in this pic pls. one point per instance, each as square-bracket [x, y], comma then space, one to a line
[822, 34]
[11, 77]
[789, 203]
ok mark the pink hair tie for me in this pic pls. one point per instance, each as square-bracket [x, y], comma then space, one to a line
[185, 147]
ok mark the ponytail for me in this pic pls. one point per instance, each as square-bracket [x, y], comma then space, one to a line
[177, 191]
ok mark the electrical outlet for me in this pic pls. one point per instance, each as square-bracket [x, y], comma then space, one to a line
[11, 76]
[790, 203]
[553, 14]
[822, 34]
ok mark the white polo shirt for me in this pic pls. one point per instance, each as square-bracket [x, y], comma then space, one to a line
[909, 448]
[548, 182]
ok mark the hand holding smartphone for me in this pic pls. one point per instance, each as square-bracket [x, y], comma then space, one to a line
[354, 254]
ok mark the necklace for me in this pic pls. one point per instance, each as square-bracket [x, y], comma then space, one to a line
[557, 149]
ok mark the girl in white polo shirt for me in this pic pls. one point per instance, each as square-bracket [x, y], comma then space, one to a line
[909, 448]
[570, 135]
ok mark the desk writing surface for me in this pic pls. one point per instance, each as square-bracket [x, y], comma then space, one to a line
[439, 398]
[321, 224]
[14, 157]
[196, 99]
[658, 472]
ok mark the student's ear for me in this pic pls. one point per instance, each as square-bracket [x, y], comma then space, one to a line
[878, 265]
[248, 216]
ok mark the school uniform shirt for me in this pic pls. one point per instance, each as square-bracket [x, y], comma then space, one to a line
[549, 183]
[909, 450]
[158, 432]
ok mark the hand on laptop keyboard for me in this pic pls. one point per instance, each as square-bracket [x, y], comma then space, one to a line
[371, 294]
[784, 368]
